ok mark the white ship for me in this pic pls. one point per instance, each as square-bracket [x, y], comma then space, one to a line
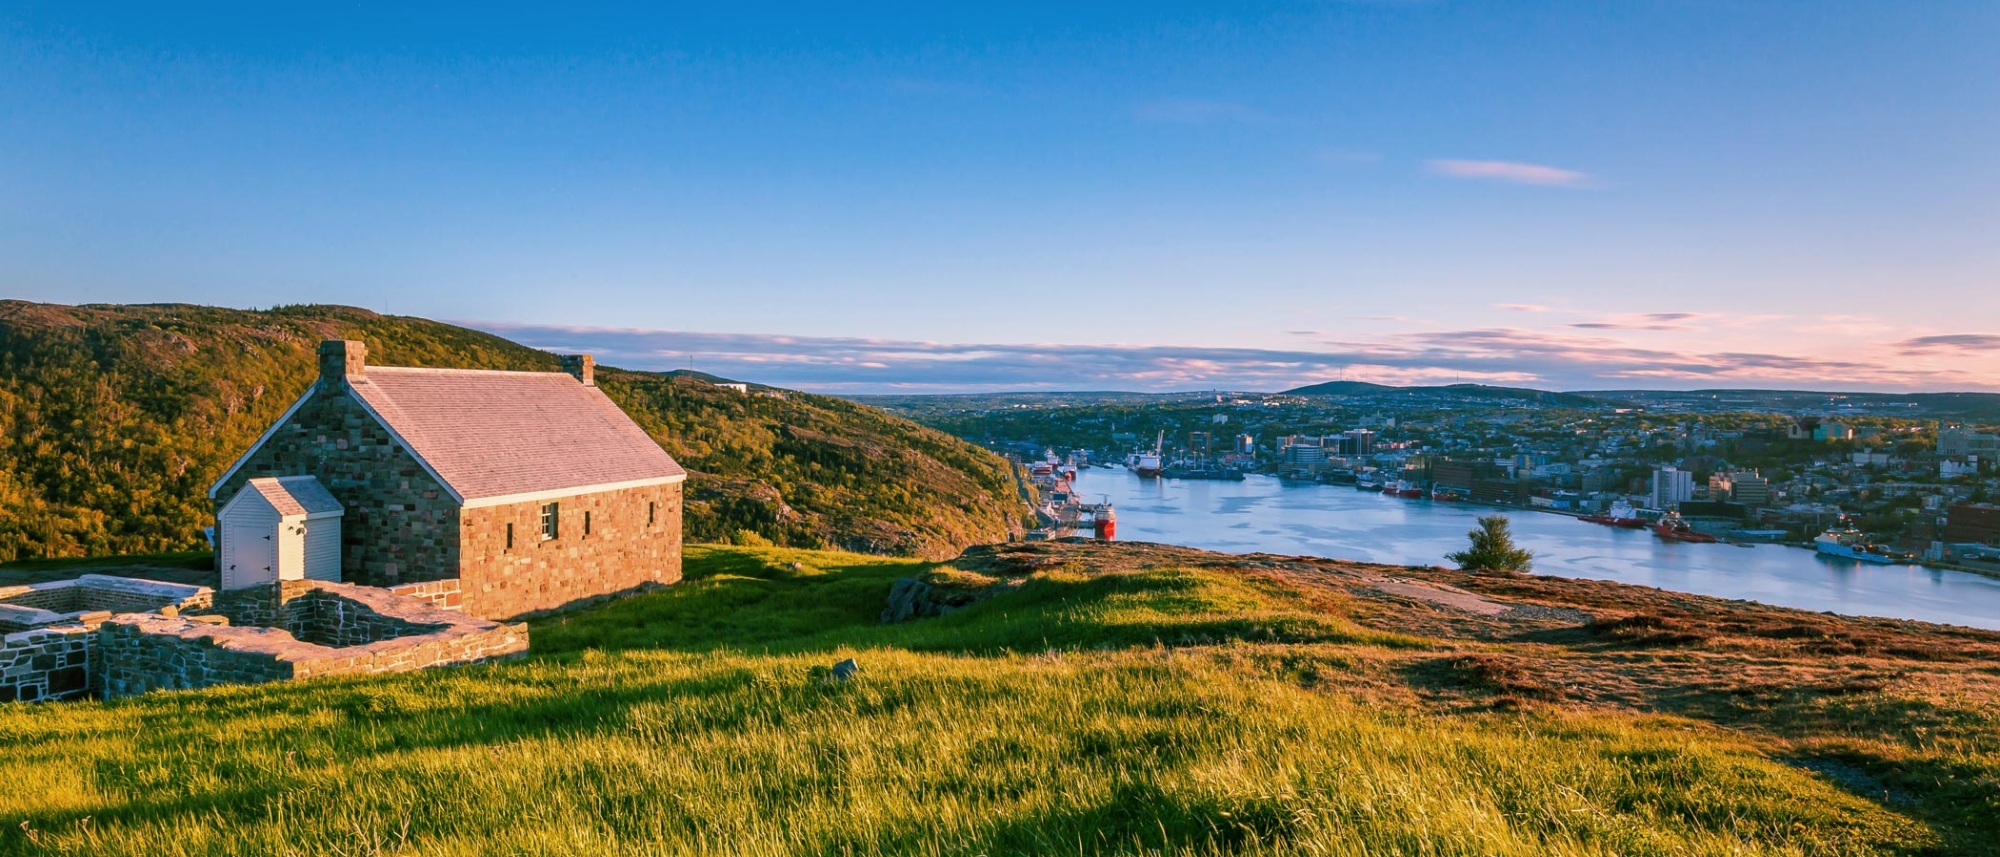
[1844, 541]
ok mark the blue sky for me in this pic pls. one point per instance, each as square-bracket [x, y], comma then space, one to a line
[1134, 196]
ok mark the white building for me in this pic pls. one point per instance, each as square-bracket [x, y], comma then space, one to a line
[1671, 486]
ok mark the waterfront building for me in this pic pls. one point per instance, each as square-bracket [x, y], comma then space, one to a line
[1301, 451]
[1744, 488]
[1671, 487]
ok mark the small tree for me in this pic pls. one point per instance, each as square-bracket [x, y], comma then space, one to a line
[1492, 548]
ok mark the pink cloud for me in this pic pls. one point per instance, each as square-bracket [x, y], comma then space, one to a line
[1510, 171]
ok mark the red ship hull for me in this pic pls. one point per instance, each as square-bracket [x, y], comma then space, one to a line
[1673, 534]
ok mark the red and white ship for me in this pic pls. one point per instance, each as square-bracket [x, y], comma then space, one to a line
[1621, 515]
[1672, 528]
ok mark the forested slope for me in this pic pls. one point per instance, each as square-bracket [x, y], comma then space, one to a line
[115, 419]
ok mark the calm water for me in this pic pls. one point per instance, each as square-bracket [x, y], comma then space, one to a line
[1261, 514]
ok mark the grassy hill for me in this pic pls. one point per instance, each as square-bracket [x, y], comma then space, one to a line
[114, 420]
[1111, 699]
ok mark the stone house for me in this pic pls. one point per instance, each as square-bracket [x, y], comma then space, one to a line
[503, 493]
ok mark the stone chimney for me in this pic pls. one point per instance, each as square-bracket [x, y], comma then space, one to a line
[582, 366]
[340, 360]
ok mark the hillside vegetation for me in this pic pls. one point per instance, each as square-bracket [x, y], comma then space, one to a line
[114, 420]
[1104, 700]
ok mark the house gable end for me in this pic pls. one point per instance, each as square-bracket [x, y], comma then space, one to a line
[293, 411]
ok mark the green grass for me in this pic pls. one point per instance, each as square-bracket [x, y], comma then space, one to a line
[1148, 712]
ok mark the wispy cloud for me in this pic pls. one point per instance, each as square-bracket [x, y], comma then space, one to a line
[1196, 111]
[1510, 171]
[1556, 360]
[1953, 341]
[1524, 307]
[1655, 321]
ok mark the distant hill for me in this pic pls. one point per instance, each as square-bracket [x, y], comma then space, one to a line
[703, 377]
[1968, 406]
[1462, 391]
[114, 420]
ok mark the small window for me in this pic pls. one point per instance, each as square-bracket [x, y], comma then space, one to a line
[650, 518]
[586, 522]
[551, 521]
[510, 535]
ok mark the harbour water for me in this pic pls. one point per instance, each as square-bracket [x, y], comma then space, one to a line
[1263, 514]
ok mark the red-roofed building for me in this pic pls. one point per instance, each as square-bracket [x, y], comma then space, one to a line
[507, 492]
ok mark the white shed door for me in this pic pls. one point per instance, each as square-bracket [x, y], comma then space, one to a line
[250, 545]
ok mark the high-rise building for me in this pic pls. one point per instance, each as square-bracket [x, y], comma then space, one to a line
[1671, 486]
[1301, 451]
[1742, 487]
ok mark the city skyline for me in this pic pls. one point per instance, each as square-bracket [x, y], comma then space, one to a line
[1148, 197]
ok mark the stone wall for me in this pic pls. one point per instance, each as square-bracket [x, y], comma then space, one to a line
[15, 618]
[358, 630]
[400, 525]
[94, 592]
[52, 663]
[447, 594]
[621, 552]
[144, 651]
[324, 614]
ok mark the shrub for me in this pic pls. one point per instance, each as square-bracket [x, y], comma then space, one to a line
[1492, 548]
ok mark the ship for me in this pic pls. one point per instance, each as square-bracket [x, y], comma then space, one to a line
[1064, 514]
[1404, 488]
[1368, 482]
[1103, 520]
[1621, 515]
[1147, 463]
[1449, 494]
[1844, 541]
[1673, 528]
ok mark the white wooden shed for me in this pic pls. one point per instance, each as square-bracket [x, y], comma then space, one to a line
[284, 528]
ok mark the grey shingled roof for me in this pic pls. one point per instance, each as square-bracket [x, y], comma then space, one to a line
[497, 434]
[295, 495]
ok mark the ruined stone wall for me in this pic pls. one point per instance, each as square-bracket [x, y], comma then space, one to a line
[142, 651]
[624, 549]
[323, 614]
[446, 594]
[347, 630]
[400, 525]
[52, 663]
[262, 605]
[94, 592]
[15, 618]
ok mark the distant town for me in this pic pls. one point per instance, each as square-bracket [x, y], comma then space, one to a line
[1893, 478]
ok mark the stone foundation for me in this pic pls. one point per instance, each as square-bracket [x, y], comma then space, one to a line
[52, 663]
[305, 628]
[57, 602]
[282, 630]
